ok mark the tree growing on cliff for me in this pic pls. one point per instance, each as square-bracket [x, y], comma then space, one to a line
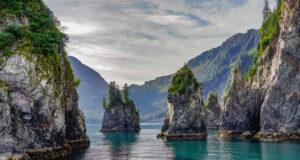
[266, 11]
[114, 94]
[77, 82]
[104, 103]
[125, 93]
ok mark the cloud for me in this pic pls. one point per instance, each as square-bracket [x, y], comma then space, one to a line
[138, 40]
[74, 28]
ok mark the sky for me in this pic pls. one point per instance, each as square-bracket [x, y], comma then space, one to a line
[133, 41]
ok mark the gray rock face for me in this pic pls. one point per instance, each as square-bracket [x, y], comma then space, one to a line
[242, 108]
[269, 103]
[121, 118]
[184, 119]
[212, 113]
[280, 112]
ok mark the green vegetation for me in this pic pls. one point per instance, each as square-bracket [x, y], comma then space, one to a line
[3, 84]
[235, 70]
[114, 95]
[77, 82]
[41, 38]
[125, 93]
[182, 79]
[104, 103]
[211, 96]
[269, 32]
[9, 36]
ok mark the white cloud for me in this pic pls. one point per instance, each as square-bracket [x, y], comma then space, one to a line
[170, 19]
[74, 28]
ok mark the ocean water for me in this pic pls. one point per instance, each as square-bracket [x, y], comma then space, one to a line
[145, 145]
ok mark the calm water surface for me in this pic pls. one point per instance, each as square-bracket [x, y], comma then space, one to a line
[145, 145]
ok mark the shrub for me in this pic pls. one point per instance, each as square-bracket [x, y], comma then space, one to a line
[77, 82]
[6, 39]
[46, 42]
[181, 80]
[17, 31]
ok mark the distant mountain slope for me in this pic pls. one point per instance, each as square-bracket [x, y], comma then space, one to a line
[91, 90]
[212, 68]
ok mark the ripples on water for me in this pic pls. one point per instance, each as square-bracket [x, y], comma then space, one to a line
[145, 145]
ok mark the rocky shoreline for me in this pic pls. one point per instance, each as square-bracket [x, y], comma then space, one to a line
[120, 130]
[52, 152]
[186, 137]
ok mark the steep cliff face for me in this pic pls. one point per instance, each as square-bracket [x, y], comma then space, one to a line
[269, 100]
[121, 118]
[184, 119]
[38, 99]
[212, 111]
[241, 108]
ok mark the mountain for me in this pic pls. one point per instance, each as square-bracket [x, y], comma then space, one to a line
[91, 90]
[212, 68]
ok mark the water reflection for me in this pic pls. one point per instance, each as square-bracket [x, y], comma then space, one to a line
[188, 150]
[280, 150]
[120, 143]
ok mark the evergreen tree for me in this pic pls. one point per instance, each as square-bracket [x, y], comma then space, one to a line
[114, 94]
[104, 103]
[266, 11]
[125, 93]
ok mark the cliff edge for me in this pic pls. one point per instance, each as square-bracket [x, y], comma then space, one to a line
[39, 114]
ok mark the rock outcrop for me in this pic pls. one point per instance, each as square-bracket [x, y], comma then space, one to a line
[38, 99]
[120, 114]
[121, 118]
[268, 104]
[241, 108]
[184, 119]
[212, 111]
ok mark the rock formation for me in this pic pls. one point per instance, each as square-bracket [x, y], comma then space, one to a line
[184, 119]
[120, 114]
[212, 111]
[39, 114]
[268, 103]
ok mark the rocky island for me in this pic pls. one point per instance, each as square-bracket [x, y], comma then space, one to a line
[120, 114]
[212, 111]
[39, 114]
[184, 119]
[265, 102]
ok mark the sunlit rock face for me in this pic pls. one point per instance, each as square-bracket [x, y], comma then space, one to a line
[184, 119]
[212, 112]
[269, 102]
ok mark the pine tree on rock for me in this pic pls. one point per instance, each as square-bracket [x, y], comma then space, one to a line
[266, 11]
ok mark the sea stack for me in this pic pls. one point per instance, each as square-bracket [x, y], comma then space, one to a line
[212, 111]
[184, 119]
[266, 102]
[120, 114]
[39, 113]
